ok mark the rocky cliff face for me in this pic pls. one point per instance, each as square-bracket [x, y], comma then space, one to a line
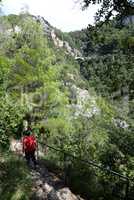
[50, 32]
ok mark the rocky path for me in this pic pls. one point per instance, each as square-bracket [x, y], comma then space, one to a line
[46, 185]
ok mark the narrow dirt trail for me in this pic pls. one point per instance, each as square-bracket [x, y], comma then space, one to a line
[46, 184]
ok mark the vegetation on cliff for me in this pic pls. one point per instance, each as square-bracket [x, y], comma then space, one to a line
[77, 103]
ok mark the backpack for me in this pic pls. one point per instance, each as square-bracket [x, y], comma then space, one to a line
[29, 143]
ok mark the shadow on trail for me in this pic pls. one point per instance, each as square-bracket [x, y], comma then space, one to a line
[49, 185]
[46, 183]
[55, 180]
[19, 182]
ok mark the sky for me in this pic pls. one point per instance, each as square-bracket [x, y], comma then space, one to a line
[66, 15]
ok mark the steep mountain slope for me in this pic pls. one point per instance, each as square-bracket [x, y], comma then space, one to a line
[59, 38]
[43, 83]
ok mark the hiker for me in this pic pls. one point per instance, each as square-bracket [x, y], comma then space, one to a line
[29, 144]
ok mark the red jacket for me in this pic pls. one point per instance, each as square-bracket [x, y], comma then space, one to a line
[29, 143]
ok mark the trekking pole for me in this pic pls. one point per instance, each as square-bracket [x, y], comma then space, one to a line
[37, 152]
[65, 167]
[22, 141]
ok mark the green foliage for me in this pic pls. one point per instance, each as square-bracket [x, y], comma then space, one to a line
[121, 7]
[11, 115]
[110, 69]
[33, 75]
[14, 179]
[37, 79]
[78, 38]
[5, 69]
[75, 38]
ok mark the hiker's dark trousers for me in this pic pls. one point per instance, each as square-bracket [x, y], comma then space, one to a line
[30, 156]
